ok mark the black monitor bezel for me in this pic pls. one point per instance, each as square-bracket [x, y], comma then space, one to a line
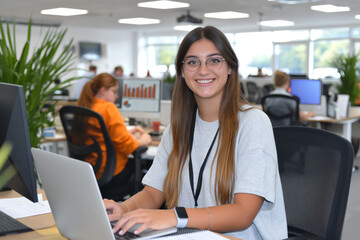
[12, 101]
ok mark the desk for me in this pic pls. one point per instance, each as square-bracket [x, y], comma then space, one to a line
[56, 144]
[354, 115]
[45, 224]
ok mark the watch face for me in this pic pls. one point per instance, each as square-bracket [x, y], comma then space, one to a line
[181, 212]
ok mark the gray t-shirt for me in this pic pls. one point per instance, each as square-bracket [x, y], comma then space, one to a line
[256, 172]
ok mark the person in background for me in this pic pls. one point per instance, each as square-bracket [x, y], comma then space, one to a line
[85, 78]
[118, 71]
[282, 84]
[100, 94]
[216, 165]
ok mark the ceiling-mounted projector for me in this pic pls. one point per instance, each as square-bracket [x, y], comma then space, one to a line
[188, 18]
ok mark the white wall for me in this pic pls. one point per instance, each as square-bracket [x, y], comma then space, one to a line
[119, 47]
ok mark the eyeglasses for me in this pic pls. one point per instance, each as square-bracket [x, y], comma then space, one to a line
[193, 64]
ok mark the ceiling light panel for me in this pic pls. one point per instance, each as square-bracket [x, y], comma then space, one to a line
[276, 23]
[357, 17]
[165, 4]
[64, 11]
[226, 15]
[293, 1]
[186, 28]
[139, 21]
[329, 8]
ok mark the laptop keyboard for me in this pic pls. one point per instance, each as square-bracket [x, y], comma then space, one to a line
[126, 236]
[10, 225]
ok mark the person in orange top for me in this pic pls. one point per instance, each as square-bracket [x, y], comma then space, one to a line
[100, 94]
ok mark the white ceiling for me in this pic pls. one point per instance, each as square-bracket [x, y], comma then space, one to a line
[105, 13]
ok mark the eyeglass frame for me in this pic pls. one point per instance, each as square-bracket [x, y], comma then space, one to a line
[206, 62]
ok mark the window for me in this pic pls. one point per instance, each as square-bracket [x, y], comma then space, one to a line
[254, 50]
[291, 35]
[329, 33]
[161, 53]
[291, 57]
[324, 53]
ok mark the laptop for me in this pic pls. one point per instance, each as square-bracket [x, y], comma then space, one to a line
[75, 199]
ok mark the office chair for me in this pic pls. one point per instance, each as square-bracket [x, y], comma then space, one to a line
[75, 121]
[283, 110]
[267, 88]
[315, 169]
[253, 92]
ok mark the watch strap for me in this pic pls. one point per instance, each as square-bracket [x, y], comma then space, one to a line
[182, 217]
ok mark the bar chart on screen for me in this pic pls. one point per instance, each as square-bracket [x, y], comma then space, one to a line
[140, 97]
[141, 91]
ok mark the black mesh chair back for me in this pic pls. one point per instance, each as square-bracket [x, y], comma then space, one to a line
[253, 92]
[315, 169]
[267, 88]
[75, 121]
[283, 110]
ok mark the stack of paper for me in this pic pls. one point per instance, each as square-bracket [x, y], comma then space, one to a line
[22, 207]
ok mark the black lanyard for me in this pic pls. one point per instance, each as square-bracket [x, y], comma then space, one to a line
[191, 173]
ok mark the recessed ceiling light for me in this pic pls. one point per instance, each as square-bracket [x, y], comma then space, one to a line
[276, 23]
[226, 15]
[329, 8]
[357, 17]
[186, 28]
[165, 4]
[64, 11]
[139, 21]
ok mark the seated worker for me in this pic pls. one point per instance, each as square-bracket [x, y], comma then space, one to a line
[85, 78]
[100, 94]
[282, 84]
[118, 71]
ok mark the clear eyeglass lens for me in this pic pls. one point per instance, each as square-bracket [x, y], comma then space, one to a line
[213, 63]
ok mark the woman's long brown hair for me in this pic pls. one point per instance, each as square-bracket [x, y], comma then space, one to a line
[183, 111]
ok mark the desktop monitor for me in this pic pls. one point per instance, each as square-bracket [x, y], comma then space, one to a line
[90, 50]
[139, 97]
[307, 90]
[14, 129]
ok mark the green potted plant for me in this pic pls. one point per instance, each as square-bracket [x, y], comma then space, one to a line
[6, 174]
[36, 72]
[168, 84]
[348, 68]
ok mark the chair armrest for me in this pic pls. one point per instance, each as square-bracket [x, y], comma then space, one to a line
[300, 234]
[137, 158]
[139, 151]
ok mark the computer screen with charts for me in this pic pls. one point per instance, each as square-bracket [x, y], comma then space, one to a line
[15, 130]
[307, 90]
[139, 97]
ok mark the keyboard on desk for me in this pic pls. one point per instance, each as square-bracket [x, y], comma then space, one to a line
[9, 225]
[126, 236]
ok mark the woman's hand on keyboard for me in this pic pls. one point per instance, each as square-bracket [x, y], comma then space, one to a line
[148, 218]
[114, 210]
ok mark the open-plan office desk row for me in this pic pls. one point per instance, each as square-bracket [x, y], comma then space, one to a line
[346, 122]
[44, 225]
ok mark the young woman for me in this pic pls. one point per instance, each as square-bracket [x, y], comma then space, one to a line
[216, 166]
[100, 94]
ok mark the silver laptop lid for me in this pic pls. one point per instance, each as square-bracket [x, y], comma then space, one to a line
[74, 196]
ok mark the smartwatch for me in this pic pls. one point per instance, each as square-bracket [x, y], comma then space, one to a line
[182, 217]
